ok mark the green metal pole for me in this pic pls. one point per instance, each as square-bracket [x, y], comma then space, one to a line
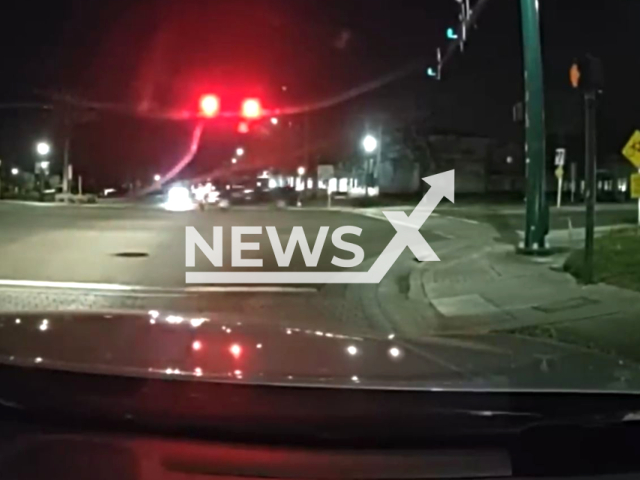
[537, 216]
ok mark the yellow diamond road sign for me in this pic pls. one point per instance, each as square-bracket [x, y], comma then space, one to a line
[632, 149]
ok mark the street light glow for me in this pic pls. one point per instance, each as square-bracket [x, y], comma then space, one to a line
[274, 120]
[234, 160]
[43, 148]
[14, 171]
[239, 151]
[44, 165]
[369, 143]
[156, 178]
[301, 171]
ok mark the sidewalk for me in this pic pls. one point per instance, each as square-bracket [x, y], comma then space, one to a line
[494, 289]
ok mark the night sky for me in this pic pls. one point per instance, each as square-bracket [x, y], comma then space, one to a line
[161, 55]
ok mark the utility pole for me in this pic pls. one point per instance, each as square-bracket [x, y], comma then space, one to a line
[307, 152]
[65, 162]
[587, 74]
[376, 171]
[537, 212]
[590, 180]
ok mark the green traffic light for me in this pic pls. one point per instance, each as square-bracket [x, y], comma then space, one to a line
[431, 72]
[451, 34]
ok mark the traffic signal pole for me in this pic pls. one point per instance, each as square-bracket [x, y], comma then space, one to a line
[590, 180]
[537, 213]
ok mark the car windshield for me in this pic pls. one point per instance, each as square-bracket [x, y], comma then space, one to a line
[433, 195]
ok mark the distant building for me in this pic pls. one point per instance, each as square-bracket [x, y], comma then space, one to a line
[482, 165]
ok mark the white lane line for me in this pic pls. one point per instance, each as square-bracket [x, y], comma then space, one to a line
[442, 234]
[473, 222]
[73, 285]
[249, 288]
[29, 203]
[157, 290]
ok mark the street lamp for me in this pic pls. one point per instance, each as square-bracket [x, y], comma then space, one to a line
[300, 186]
[43, 148]
[156, 178]
[239, 151]
[234, 160]
[369, 143]
[274, 120]
[14, 171]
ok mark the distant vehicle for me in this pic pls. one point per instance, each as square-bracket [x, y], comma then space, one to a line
[280, 197]
[179, 199]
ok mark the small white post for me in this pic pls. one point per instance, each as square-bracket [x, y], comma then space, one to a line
[79, 184]
[559, 200]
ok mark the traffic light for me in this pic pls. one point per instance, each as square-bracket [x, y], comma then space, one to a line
[251, 108]
[209, 106]
[431, 72]
[451, 34]
[587, 73]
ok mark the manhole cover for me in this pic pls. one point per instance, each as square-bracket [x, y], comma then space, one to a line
[131, 254]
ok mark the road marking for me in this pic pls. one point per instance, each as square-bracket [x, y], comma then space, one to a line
[72, 285]
[158, 290]
[251, 289]
[30, 203]
[444, 235]
[473, 222]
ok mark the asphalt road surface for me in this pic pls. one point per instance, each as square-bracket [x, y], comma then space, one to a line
[146, 246]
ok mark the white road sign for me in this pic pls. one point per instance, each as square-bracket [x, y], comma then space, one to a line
[325, 172]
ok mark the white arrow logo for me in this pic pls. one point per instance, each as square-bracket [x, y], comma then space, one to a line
[407, 235]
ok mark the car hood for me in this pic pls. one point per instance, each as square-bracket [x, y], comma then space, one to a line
[241, 350]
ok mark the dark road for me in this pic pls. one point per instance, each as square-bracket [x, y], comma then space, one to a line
[146, 246]
[133, 258]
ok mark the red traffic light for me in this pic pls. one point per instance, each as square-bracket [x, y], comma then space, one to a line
[209, 105]
[251, 108]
